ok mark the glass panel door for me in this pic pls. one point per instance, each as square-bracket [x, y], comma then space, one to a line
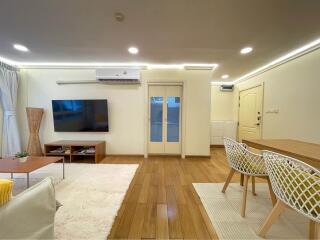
[164, 136]
[156, 119]
[173, 119]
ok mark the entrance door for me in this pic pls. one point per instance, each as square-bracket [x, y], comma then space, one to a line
[250, 113]
[165, 119]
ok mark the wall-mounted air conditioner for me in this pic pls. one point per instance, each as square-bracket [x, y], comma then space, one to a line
[118, 76]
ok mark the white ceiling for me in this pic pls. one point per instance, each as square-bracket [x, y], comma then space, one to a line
[165, 31]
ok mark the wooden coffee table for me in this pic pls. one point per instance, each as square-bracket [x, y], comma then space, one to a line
[14, 165]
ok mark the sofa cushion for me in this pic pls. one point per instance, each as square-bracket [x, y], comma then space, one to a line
[5, 191]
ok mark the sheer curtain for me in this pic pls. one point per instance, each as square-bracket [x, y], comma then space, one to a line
[8, 96]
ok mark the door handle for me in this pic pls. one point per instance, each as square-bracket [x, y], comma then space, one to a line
[258, 124]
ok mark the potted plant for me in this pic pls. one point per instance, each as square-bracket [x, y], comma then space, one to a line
[22, 156]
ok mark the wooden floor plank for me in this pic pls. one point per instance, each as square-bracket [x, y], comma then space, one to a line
[143, 198]
[175, 231]
[125, 221]
[117, 221]
[153, 194]
[133, 195]
[198, 222]
[149, 223]
[187, 227]
[137, 222]
[162, 228]
[162, 195]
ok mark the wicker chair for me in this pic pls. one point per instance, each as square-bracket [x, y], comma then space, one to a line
[297, 186]
[249, 164]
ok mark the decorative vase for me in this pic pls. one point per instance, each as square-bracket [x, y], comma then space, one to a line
[34, 119]
[23, 159]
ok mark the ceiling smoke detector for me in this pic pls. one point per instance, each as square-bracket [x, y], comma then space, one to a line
[119, 16]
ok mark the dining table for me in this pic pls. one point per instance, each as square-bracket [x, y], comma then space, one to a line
[303, 151]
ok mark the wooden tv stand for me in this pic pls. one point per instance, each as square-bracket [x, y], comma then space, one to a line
[73, 148]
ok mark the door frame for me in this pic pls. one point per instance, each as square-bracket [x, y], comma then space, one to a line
[182, 114]
[262, 107]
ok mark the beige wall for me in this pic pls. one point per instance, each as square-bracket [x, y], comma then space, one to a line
[293, 89]
[38, 88]
[126, 107]
[196, 105]
[222, 105]
[1, 126]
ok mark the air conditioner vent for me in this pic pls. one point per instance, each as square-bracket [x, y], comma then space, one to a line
[226, 88]
[119, 81]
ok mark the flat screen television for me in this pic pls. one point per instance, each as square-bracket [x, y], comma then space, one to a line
[80, 115]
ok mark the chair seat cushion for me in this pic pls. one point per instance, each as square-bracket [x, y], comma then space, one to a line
[303, 191]
[251, 167]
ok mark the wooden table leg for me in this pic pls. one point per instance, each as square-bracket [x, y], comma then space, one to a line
[241, 179]
[63, 167]
[314, 230]
[28, 183]
[254, 186]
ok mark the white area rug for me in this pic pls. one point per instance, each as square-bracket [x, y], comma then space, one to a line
[224, 213]
[91, 196]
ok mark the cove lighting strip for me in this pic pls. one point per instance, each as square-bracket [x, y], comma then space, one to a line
[94, 65]
[8, 61]
[309, 47]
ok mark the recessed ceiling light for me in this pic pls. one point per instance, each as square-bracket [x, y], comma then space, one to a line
[21, 47]
[246, 50]
[225, 76]
[133, 50]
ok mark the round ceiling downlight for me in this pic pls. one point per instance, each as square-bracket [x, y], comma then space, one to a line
[246, 50]
[133, 50]
[20, 47]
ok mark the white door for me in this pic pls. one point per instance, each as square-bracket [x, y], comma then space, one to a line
[250, 113]
[164, 119]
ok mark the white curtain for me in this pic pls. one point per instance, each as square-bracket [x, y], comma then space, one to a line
[8, 95]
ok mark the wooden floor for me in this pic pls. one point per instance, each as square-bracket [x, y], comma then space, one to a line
[161, 201]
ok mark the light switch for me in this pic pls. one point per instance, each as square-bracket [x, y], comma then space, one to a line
[273, 110]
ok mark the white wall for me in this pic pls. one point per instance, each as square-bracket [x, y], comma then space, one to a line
[126, 107]
[294, 89]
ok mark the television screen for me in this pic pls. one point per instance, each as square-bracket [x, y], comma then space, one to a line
[80, 115]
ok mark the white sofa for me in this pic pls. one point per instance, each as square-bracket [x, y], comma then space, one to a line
[30, 214]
